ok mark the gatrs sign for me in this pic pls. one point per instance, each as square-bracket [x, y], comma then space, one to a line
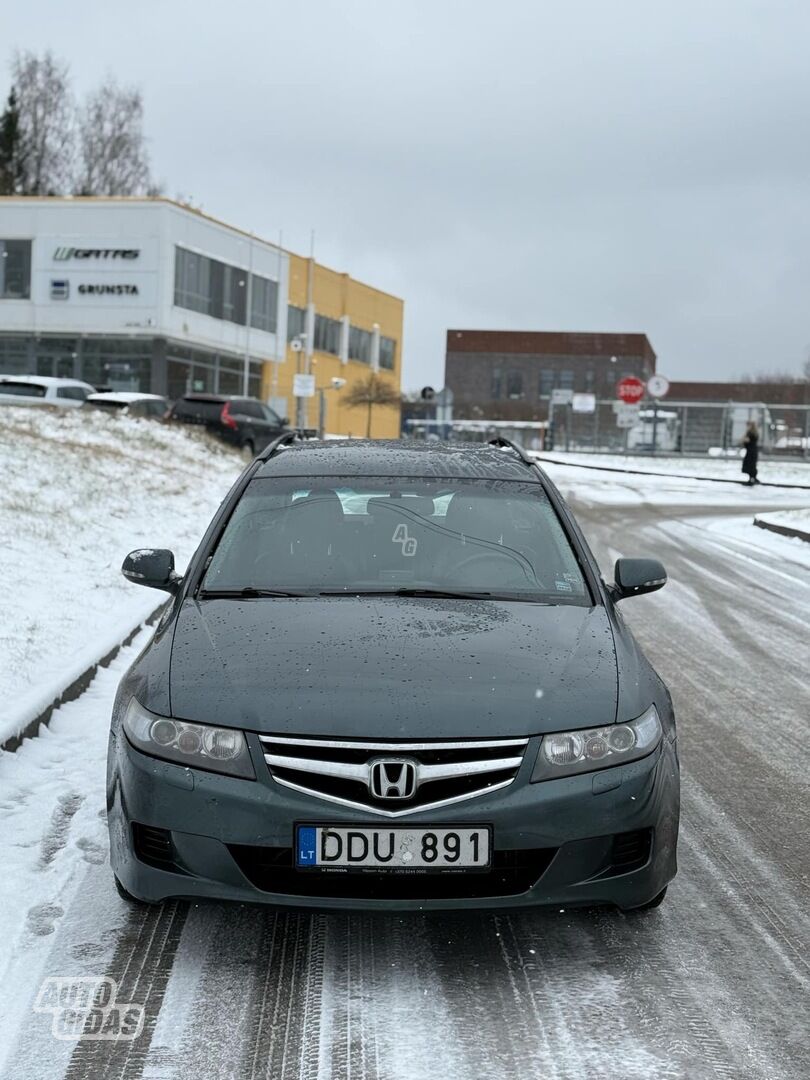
[62, 254]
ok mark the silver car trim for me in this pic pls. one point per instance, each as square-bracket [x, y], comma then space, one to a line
[368, 809]
[392, 747]
[310, 769]
[425, 773]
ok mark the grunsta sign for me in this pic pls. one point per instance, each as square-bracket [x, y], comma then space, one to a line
[63, 253]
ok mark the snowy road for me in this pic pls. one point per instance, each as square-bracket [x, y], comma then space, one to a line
[714, 984]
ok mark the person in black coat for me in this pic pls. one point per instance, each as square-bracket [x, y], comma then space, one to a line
[751, 444]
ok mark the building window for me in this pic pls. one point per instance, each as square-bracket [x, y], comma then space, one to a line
[514, 385]
[15, 269]
[360, 345]
[495, 384]
[388, 352]
[565, 380]
[327, 335]
[264, 304]
[220, 290]
[192, 281]
[234, 294]
[296, 321]
[546, 383]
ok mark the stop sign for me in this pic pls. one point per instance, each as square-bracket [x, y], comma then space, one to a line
[630, 390]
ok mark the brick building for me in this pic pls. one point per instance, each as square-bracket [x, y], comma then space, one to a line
[509, 374]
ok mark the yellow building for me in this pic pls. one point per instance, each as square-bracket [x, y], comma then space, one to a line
[346, 330]
[148, 294]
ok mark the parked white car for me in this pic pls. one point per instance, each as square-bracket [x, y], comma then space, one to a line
[43, 390]
[129, 403]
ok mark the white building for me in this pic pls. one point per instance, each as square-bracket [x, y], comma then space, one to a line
[137, 294]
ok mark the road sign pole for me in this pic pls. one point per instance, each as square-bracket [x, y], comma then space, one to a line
[655, 427]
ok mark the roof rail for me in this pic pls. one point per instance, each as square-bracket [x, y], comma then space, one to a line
[277, 444]
[499, 440]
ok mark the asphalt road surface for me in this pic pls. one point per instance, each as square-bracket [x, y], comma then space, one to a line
[713, 984]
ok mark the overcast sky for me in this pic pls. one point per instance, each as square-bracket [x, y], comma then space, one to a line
[565, 165]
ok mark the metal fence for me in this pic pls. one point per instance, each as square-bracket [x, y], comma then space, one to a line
[668, 427]
[681, 427]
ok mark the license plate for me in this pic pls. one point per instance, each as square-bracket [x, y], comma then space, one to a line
[395, 848]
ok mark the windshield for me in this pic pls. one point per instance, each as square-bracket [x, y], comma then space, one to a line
[374, 535]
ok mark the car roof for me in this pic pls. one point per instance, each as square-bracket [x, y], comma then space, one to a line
[126, 396]
[377, 457]
[43, 380]
[217, 397]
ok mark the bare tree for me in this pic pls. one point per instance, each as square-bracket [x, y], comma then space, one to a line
[45, 108]
[773, 377]
[112, 156]
[370, 391]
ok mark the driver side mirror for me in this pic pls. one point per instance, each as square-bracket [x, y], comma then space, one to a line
[152, 567]
[636, 576]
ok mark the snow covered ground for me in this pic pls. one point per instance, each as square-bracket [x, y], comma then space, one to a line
[615, 488]
[54, 831]
[771, 470]
[710, 985]
[79, 490]
[792, 519]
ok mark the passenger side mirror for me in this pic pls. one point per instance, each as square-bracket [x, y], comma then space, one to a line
[152, 567]
[636, 576]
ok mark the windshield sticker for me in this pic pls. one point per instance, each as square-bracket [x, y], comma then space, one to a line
[564, 586]
[401, 537]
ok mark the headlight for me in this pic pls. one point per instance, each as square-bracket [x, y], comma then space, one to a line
[570, 752]
[200, 746]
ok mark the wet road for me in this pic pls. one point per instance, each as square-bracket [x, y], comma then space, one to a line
[713, 984]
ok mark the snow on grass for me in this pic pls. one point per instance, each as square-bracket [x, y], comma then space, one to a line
[78, 490]
[771, 470]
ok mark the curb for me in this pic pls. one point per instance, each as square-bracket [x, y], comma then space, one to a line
[669, 475]
[76, 688]
[783, 530]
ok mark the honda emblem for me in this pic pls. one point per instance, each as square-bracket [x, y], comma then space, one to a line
[393, 778]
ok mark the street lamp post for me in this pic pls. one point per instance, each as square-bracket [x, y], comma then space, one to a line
[248, 307]
[334, 384]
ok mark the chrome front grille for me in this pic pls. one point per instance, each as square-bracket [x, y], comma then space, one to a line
[340, 771]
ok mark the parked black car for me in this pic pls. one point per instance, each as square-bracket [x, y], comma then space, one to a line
[392, 675]
[244, 422]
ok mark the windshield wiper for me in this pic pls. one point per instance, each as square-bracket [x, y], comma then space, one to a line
[248, 593]
[449, 594]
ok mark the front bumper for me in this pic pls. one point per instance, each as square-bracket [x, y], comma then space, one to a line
[226, 834]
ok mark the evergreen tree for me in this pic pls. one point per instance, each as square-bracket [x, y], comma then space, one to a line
[12, 155]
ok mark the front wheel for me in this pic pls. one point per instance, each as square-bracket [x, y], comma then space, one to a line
[125, 894]
[656, 901]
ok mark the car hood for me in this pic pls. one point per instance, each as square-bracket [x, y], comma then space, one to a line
[393, 667]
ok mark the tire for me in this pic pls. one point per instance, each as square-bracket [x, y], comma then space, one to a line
[248, 451]
[126, 895]
[656, 901]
